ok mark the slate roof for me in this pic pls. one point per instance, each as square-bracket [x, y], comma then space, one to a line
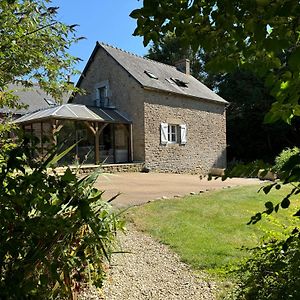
[138, 67]
[34, 98]
[74, 112]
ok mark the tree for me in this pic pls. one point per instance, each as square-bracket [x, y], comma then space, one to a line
[262, 35]
[34, 48]
[170, 50]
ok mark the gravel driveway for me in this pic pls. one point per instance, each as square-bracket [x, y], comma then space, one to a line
[152, 271]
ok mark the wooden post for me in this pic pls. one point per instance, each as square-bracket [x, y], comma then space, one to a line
[55, 129]
[97, 141]
[54, 124]
[130, 142]
[114, 142]
[42, 142]
[96, 131]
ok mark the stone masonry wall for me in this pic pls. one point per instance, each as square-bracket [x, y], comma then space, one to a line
[124, 92]
[206, 134]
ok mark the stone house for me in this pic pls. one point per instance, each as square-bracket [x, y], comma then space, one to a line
[167, 118]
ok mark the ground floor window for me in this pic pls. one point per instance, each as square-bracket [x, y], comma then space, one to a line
[173, 133]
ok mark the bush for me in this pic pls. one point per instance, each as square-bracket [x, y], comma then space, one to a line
[283, 158]
[272, 271]
[55, 231]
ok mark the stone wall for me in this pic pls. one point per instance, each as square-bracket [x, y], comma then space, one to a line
[105, 168]
[124, 92]
[206, 134]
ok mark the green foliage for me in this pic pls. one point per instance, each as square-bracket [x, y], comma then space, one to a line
[282, 159]
[55, 230]
[272, 271]
[33, 48]
[260, 35]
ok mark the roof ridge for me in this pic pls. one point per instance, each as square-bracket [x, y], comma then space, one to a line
[136, 55]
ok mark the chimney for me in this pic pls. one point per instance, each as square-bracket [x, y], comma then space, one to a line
[183, 66]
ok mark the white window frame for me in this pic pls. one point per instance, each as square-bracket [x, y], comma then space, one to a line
[172, 133]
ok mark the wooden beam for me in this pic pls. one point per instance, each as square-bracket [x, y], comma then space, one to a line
[98, 131]
[90, 127]
[97, 141]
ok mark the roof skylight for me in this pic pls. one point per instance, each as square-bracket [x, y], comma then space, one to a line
[50, 102]
[179, 82]
[151, 75]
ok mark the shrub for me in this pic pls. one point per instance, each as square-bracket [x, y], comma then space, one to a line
[55, 231]
[283, 158]
[272, 271]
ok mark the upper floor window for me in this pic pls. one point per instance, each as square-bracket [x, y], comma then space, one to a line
[103, 94]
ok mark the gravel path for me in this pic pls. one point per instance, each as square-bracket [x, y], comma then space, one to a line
[152, 271]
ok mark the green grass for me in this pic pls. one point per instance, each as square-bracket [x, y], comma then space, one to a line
[208, 230]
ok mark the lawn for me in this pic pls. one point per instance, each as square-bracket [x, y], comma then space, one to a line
[208, 230]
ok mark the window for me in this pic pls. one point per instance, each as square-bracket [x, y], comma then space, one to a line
[150, 74]
[50, 102]
[177, 82]
[103, 94]
[102, 91]
[172, 134]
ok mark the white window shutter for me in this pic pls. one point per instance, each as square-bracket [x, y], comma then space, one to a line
[182, 134]
[164, 133]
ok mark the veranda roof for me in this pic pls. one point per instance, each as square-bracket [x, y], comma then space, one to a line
[74, 112]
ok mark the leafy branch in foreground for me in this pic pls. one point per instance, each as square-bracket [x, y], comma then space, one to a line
[262, 36]
[55, 230]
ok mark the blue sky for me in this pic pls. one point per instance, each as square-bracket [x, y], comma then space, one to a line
[107, 21]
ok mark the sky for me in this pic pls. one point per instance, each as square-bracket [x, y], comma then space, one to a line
[106, 21]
